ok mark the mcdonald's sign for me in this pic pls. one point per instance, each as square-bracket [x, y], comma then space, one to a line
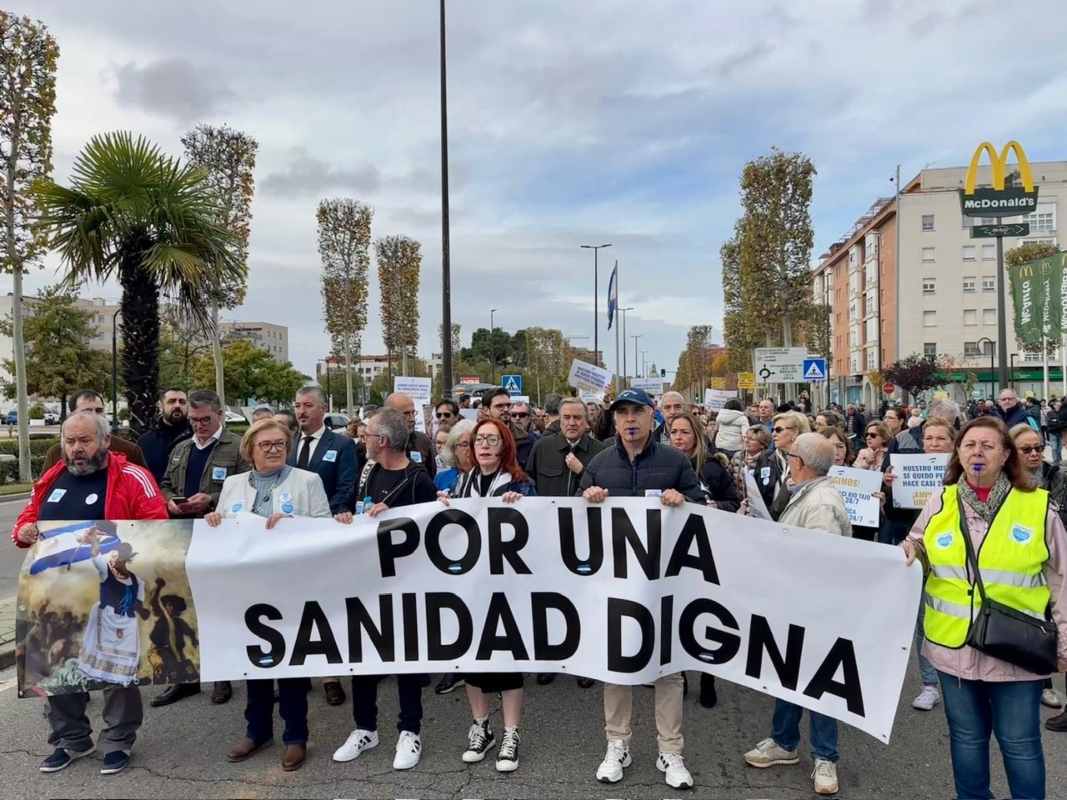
[1000, 200]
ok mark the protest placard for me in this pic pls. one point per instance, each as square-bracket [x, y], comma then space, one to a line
[588, 377]
[715, 399]
[857, 488]
[916, 477]
[418, 389]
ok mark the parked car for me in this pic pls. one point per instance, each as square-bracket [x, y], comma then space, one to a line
[336, 421]
[51, 418]
[11, 418]
[234, 417]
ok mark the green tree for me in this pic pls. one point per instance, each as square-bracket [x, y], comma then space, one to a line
[766, 264]
[1030, 251]
[243, 364]
[228, 158]
[344, 247]
[58, 359]
[28, 56]
[133, 213]
[278, 383]
[916, 374]
[181, 345]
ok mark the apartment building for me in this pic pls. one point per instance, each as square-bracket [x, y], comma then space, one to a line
[264, 335]
[944, 302]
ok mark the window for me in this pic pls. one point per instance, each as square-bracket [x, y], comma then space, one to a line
[1043, 220]
[970, 350]
[969, 252]
[989, 252]
[872, 330]
[968, 284]
[929, 286]
[1051, 242]
[989, 316]
[928, 254]
[929, 319]
[989, 283]
[928, 222]
[970, 316]
[1033, 357]
[930, 349]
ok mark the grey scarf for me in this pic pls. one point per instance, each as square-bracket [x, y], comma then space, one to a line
[989, 508]
[265, 484]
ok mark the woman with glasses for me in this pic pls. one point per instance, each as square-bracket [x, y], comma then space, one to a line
[457, 456]
[772, 469]
[1052, 479]
[274, 490]
[496, 473]
[990, 501]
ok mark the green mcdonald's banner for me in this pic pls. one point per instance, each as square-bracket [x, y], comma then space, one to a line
[1037, 299]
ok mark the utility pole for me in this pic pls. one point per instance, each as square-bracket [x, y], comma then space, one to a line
[623, 311]
[635, 337]
[492, 349]
[446, 270]
[596, 248]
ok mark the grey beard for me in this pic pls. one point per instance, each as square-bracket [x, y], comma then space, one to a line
[94, 464]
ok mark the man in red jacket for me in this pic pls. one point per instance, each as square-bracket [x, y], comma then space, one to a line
[92, 483]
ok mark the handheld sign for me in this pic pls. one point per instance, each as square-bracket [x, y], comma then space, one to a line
[589, 377]
[857, 488]
[916, 477]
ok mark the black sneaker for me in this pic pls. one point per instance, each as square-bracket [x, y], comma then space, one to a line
[507, 757]
[480, 740]
[115, 761]
[449, 682]
[62, 758]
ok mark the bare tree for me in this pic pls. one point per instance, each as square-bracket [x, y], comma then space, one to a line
[344, 247]
[229, 158]
[28, 55]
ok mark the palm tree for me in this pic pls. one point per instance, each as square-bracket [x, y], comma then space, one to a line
[133, 212]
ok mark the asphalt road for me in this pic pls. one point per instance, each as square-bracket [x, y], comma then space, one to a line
[181, 753]
[11, 557]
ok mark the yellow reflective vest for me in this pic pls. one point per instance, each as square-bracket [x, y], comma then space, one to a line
[1011, 558]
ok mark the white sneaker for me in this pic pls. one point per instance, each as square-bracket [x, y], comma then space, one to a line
[673, 765]
[929, 697]
[1050, 698]
[615, 761]
[825, 776]
[359, 741]
[507, 757]
[768, 754]
[408, 750]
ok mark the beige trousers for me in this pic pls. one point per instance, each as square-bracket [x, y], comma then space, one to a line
[618, 709]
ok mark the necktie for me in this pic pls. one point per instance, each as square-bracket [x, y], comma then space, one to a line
[305, 453]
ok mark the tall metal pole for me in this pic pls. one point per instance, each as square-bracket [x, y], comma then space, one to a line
[596, 297]
[492, 349]
[114, 368]
[446, 270]
[616, 324]
[635, 337]
[1002, 321]
[625, 371]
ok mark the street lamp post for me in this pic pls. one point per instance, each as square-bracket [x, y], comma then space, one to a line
[492, 350]
[115, 367]
[623, 311]
[596, 297]
[635, 337]
[446, 269]
[992, 365]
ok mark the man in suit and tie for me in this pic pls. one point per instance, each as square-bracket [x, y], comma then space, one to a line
[332, 456]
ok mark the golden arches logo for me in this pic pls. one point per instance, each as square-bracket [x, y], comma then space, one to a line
[998, 163]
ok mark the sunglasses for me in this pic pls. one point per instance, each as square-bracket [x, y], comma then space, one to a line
[520, 415]
[1031, 449]
[780, 429]
[444, 415]
[872, 433]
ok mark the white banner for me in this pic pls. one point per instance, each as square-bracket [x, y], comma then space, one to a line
[916, 477]
[624, 592]
[857, 488]
[588, 377]
[654, 386]
[418, 389]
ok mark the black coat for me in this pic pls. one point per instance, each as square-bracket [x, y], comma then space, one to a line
[657, 468]
[157, 443]
[334, 461]
[547, 467]
[768, 476]
[719, 485]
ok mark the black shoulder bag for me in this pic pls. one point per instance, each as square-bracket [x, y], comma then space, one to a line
[1006, 633]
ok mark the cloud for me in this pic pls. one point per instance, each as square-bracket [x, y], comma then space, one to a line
[305, 175]
[172, 87]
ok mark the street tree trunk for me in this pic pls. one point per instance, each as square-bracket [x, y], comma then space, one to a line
[19, 340]
[348, 376]
[216, 355]
[140, 335]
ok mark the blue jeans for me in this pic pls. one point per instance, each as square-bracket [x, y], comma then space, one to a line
[786, 730]
[926, 669]
[1011, 710]
[292, 704]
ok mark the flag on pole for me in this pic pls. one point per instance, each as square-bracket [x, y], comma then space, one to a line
[1036, 296]
[613, 294]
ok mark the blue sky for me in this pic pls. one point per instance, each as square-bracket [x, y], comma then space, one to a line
[570, 123]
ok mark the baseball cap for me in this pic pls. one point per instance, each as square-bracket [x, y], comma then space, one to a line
[637, 397]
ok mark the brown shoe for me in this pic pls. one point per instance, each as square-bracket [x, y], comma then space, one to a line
[245, 748]
[1057, 723]
[221, 692]
[294, 757]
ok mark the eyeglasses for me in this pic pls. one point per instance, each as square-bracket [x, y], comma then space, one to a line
[1036, 448]
[267, 447]
[872, 433]
[461, 445]
[443, 415]
[779, 429]
[520, 415]
[201, 420]
[491, 440]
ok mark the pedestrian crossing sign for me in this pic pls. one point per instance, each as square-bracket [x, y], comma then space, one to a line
[512, 383]
[815, 370]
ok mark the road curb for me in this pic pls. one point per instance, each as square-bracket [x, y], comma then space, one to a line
[7, 656]
[15, 498]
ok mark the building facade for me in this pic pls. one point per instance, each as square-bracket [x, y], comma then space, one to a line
[944, 302]
[264, 335]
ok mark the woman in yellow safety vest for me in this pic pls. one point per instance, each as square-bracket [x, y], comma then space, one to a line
[1022, 554]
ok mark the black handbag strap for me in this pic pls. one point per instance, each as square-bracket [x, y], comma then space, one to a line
[972, 559]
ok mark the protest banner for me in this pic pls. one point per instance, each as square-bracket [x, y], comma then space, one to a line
[419, 390]
[622, 592]
[857, 488]
[588, 377]
[715, 399]
[654, 386]
[916, 477]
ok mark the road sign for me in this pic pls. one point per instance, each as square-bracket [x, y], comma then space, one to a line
[718, 383]
[888, 388]
[779, 364]
[470, 379]
[746, 380]
[992, 231]
[815, 370]
[513, 383]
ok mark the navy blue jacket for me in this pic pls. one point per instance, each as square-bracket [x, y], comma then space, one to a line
[658, 467]
[338, 472]
[157, 443]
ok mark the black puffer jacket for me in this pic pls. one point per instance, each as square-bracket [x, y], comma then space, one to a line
[656, 468]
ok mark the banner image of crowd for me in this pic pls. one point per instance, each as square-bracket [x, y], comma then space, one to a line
[622, 592]
[106, 603]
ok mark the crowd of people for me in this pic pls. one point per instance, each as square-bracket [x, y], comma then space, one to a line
[290, 464]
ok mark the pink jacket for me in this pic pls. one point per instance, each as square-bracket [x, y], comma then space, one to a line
[968, 663]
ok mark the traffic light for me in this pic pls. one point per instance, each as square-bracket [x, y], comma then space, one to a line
[663, 373]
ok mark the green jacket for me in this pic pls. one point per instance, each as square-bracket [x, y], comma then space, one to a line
[225, 460]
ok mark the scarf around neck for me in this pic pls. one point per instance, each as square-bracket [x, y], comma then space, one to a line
[988, 509]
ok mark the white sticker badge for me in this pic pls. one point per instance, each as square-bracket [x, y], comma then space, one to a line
[218, 473]
[330, 456]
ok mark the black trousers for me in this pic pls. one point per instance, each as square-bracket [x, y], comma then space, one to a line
[365, 701]
[292, 704]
